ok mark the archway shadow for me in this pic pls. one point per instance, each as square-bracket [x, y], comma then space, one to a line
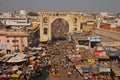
[59, 28]
[58, 38]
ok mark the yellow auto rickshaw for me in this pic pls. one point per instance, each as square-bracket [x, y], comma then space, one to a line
[56, 74]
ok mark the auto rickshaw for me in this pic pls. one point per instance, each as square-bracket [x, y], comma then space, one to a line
[56, 73]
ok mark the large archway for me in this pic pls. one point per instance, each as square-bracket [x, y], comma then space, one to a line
[59, 29]
[50, 22]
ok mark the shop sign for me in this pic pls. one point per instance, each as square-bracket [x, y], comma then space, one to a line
[96, 38]
[104, 69]
[99, 53]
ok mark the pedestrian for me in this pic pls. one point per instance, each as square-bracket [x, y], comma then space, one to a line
[69, 74]
[77, 74]
[31, 76]
[25, 76]
[72, 69]
[64, 66]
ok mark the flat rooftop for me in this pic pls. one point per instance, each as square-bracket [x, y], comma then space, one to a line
[13, 32]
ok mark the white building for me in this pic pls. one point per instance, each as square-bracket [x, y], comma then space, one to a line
[17, 21]
[118, 21]
[113, 25]
[23, 12]
[103, 14]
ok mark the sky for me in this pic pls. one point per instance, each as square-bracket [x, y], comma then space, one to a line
[61, 5]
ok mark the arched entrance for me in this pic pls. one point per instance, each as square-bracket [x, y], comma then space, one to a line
[59, 29]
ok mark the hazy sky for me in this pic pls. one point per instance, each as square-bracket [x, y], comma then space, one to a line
[61, 5]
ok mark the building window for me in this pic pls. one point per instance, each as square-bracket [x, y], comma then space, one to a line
[45, 31]
[15, 45]
[75, 20]
[7, 37]
[8, 41]
[75, 29]
[45, 20]
[15, 40]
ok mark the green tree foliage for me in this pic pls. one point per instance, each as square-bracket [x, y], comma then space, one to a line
[32, 14]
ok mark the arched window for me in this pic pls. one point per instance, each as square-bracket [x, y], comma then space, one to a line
[45, 31]
[45, 20]
[75, 29]
[75, 20]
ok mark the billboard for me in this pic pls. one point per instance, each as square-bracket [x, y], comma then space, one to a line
[96, 38]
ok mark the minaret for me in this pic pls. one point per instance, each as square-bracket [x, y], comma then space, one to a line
[98, 22]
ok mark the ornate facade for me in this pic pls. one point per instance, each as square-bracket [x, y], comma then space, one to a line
[47, 18]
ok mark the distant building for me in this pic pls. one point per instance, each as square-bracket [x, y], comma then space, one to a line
[118, 22]
[88, 26]
[15, 40]
[103, 14]
[23, 12]
[15, 19]
[16, 22]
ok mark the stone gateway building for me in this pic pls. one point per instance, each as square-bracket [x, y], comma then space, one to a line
[48, 19]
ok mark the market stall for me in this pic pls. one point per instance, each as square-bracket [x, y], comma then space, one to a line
[17, 57]
[83, 68]
[74, 58]
[101, 55]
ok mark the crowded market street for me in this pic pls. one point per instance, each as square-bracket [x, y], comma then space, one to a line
[63, 71]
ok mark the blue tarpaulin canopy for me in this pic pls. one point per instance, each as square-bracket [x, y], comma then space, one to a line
[86, 69]
[114, 54]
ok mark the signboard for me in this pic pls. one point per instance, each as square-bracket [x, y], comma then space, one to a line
[104, 69]
[3, 46]
[99, 53]
[96, 38]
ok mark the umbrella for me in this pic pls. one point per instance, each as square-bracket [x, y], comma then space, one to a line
[15, 68]
[3, 76]
[19, 72]
[15, 75]
[17, 58]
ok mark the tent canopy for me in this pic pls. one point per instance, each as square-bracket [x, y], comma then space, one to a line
[19, 57]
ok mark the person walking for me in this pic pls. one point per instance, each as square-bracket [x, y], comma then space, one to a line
[69, 74]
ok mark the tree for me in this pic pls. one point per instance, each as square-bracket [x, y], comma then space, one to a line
[32, 14]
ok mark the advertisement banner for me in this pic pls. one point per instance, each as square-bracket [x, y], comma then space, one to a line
[104, 69]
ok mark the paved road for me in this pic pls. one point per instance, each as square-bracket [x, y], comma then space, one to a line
[46, 75]
[63, 72]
